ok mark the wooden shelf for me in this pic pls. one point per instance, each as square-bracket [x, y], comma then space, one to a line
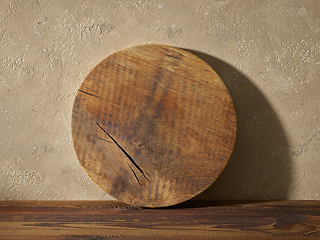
[190, 220]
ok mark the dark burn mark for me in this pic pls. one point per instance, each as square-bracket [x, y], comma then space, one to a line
[118, 187]
[175, 55]
[127, 155]
[90, 94]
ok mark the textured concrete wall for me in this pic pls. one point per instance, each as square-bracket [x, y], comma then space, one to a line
[267, 52]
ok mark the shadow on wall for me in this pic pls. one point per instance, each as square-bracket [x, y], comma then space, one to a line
[260, 165]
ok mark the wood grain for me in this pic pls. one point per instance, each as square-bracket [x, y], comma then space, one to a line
[153, 125]
[192, 220]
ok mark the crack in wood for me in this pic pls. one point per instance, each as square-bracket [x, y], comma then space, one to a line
[105, 140]
[127, 155]
[90, 94]
[135, 175]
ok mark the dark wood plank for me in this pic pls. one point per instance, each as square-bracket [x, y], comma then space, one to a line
[153, 125]
[192, 220]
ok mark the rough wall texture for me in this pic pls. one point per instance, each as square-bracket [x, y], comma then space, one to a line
[267, 52]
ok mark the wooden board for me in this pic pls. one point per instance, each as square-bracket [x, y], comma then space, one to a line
[153, 125]
[104, 220]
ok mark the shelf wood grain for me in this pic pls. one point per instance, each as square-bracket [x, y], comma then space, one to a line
[190, 220]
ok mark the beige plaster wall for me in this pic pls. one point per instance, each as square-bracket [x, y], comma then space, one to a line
[267, 52]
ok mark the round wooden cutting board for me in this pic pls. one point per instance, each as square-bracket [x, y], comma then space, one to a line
[153, 125]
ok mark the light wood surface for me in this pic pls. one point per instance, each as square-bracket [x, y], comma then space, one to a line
[77, 220]
[153, 125]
